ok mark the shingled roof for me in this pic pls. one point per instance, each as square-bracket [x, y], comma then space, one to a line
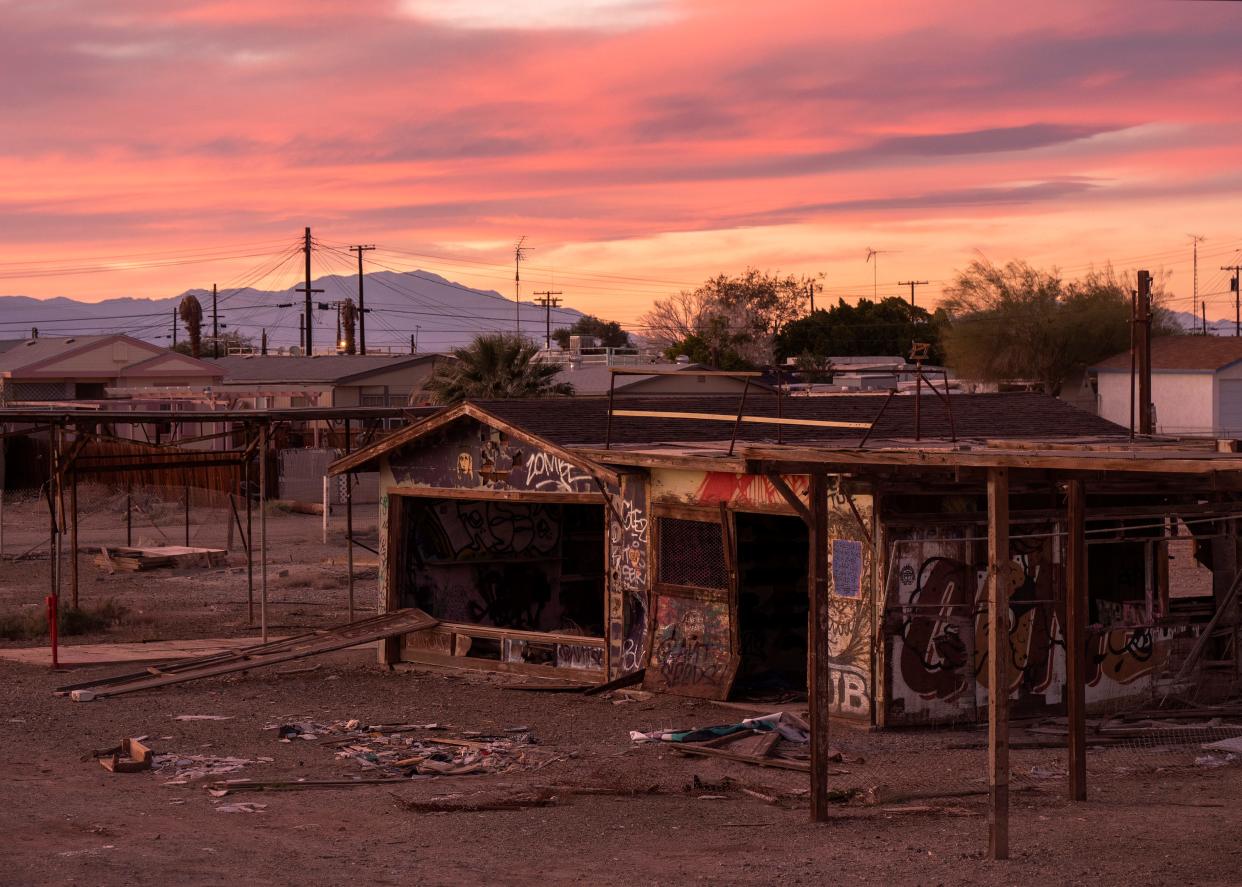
[1182, 354]
[581, 421]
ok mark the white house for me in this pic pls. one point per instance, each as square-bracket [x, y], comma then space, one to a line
[1196, 386]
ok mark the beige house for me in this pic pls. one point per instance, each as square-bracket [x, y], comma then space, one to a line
[266, 381]
[70, 368]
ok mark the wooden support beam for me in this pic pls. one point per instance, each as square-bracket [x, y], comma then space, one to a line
[820, 677]
[1076, 638]
[778, 484]
[998, 662]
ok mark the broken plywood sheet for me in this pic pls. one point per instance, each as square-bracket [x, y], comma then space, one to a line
[692, 652]
[365, 631]
[133, 559]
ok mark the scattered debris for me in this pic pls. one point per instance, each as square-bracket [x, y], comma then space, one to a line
[244, 807]
[131, 756]
[228, 786]
[190, 768]
[1232, 744]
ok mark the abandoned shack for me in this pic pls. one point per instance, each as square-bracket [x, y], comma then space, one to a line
[579, 537]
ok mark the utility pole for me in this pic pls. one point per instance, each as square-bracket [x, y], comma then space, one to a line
[1237, 303]
[174, 335]
[1203, 304]
[548, 301]
[263, 343]
[810, 287]
[912, 284]
[308, 336]
[1143, 342]
[215, 324]
[362, 305]
[519, 253]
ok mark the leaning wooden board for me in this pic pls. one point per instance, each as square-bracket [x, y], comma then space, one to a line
[352, 634]
[692, 648]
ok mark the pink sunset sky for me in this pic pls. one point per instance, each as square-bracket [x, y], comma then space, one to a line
[640, 145]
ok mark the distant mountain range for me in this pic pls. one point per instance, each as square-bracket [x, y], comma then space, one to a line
[442, 314]
[1193, 323]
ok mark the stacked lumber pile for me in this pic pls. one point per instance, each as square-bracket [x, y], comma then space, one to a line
[176, 556]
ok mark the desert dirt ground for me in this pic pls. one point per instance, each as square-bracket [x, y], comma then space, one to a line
[615, 812]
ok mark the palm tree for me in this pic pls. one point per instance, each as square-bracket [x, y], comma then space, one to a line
[495, 366]
[192, 315]
[349, 316]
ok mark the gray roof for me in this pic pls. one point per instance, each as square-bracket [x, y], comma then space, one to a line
[15, 354]
[323, 368]
[595, 378]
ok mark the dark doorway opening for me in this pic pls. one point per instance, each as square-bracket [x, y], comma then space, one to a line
[772, 605]
[525, 565]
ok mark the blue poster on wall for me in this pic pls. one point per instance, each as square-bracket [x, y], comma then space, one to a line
[847, 567]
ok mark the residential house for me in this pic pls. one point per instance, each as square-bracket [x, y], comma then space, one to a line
[338, 380]
[56, 369]
[677, 379]
[1196, 386]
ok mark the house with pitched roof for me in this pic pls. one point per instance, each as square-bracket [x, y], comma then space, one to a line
[45, 369]
[1196, 386]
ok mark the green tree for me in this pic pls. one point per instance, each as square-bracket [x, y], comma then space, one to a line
[495, 366]
[608, 332]
[728, 322]
[1019, 322]
[886, 327]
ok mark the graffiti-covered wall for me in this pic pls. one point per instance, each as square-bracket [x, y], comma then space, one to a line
[935, 629]
[629, 553]
[470, 455]
[851, 602]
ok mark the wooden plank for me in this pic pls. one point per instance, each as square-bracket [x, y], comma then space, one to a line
[727, 417]
[778, 763]
[692, 651]
[762, 459]
[1076, 638]
[819, 695]
[246, 658]
[481, 494]
[998, 662]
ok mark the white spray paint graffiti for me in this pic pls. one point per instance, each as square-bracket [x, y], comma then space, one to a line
[545, 471]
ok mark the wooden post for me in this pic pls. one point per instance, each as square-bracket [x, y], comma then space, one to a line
[998, 662]
[249, 535]
[186, 493]
[129, 512]
[820, 671]
[263, 433]
[349, 519]
[1076, 638]
[327, 506]
[73, 537]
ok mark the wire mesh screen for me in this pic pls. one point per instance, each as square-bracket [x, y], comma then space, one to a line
[692, 553]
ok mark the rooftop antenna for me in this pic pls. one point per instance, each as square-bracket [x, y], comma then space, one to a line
[875, 270]
[519, 253]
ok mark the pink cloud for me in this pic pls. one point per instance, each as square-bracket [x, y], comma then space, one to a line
[658, 126]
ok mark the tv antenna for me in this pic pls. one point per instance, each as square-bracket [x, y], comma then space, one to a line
[519, 253]
[875, 269]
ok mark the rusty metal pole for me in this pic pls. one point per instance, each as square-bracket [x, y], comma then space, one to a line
[73, 537]
[1076, 637]
[249, 537]
[186, 493]
[263, 441]
[349, 526]
[129, 511]
[820, 677]
[998, 663]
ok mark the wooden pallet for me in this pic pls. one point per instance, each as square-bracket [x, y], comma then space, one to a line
[132, 559]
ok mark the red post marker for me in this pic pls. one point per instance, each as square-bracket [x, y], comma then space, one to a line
[51, 629]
